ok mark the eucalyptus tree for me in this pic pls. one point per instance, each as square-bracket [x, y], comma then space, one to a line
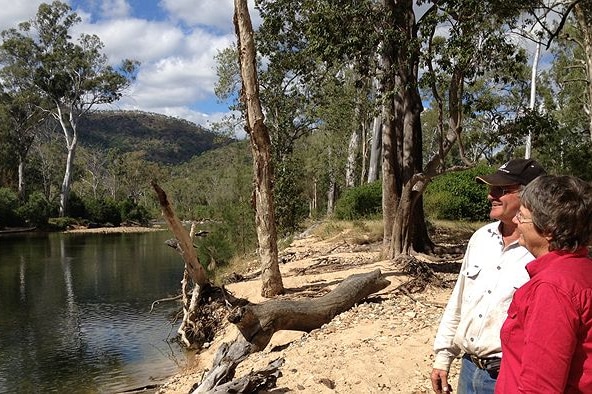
[563, 142]
[263, 168]
[72, 77]
[583, 16]
[406, 38]
[21, 121]
[23, 115]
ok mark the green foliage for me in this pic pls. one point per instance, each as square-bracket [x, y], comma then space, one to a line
[8, 206]
[77, 206]
[131, 211]
[231, 233]
[360, 202]
[578, 159]
[457, 196]
[162, 139]
[103, 211]
[291, 206]
[37, 210]
[61, 223]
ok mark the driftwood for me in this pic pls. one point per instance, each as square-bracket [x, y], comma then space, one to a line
[258, 322]
[199, 323]
[194, 268]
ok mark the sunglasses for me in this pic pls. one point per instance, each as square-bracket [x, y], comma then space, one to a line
[498, 191]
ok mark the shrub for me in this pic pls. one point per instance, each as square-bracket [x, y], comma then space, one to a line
[61, 224]
[360, 202]
[36, 211]
[103, 211]
[76, 207]
[291, 206]
[457, 196]
[130, 211]
[8, 206]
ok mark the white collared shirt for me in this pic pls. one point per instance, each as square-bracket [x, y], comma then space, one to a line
[477, 308]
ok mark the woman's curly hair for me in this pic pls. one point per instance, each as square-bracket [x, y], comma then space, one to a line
[561, 208]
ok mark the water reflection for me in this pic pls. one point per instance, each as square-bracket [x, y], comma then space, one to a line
[75, 312]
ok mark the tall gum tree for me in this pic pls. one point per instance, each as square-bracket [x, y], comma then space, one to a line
[583, 17]
[23, 118]
[73, 77]
[261, 148]
[474, 39]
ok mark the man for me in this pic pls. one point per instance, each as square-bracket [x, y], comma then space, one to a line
[491, 271]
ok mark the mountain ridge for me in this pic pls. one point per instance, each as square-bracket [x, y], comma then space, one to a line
[163, 139]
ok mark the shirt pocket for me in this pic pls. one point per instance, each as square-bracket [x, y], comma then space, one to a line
[510, 324]
[472, 272]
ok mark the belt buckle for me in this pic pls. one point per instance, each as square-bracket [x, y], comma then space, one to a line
[478, 361]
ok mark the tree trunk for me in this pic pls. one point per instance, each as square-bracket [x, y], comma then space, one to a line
[71, 137]
[375, 150]
[65, 190]
[533, 77]
[261, 148]
[331, 196]
[402, 152]
[194, 268]
[583, 14]
[21, 178]
[352, 153]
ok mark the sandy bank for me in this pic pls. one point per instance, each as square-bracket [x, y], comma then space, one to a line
[116, 230]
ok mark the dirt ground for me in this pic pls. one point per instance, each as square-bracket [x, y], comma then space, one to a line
[381, 345]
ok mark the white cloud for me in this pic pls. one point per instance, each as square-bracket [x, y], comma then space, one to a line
[214, 13]
[115, 8]
[176, 48]
[14, 12]
[137, 39]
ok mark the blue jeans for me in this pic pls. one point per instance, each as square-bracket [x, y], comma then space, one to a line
[473, 380]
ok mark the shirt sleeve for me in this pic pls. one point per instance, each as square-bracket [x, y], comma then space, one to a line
[444, 348]
[550, 326]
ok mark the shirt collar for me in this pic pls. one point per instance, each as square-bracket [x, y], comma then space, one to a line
[540, 263]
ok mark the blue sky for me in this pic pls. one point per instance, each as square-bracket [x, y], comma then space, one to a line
[175, 41]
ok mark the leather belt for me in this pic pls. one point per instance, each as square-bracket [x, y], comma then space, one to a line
[491, 364]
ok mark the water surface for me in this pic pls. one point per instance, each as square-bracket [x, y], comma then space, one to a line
[75, 312]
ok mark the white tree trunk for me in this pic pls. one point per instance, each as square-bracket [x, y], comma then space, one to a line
[352, 153]
[375, 150]
[21, 177]
[331, 197]
[65, 192]
[535, 66]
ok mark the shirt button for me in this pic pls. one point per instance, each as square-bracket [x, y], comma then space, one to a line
[480, 315]
[499, 268]
[488, 291]
[472, 339]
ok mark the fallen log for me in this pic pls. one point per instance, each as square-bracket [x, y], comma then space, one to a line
[258, 322]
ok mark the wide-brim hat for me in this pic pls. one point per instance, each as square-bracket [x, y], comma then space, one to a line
[514, 172]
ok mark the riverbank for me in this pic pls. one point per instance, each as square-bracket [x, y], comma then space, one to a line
[116, 230]
[381, 345]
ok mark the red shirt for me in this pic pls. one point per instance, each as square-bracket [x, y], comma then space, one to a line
[547, 336]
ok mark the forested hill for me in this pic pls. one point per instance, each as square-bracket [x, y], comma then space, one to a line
[162, 138]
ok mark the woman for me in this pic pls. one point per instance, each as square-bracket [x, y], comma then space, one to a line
[547, 336]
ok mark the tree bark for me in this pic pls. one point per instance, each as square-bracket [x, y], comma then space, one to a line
[375, 150]
[71, 145]
[261, 148]
[194, 268]
[352, 154]
[402, 136]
